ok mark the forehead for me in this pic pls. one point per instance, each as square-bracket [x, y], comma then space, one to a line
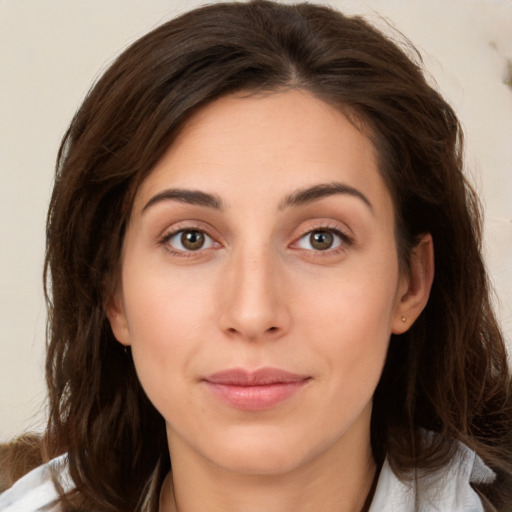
[266, 143]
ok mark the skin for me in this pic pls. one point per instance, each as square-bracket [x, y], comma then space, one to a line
[259, 293]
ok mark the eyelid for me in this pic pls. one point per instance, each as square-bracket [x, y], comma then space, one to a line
[184, 226]
[337, 241]
[177, 234]
[339, 230]
[347, 239]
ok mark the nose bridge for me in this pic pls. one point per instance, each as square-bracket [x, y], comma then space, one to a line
[254, 304]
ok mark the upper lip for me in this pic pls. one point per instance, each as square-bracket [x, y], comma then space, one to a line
[260, 377]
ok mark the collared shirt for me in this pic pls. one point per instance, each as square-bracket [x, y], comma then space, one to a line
[445, 490]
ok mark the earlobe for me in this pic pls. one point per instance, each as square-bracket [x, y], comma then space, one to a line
[413, 296]
[114, 310]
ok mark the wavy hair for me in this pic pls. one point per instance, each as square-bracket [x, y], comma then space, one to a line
[448, 374]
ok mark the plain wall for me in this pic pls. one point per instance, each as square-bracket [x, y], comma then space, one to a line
[51, 51]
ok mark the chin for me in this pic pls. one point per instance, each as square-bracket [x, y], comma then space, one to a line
[264, 453]
[259, 462]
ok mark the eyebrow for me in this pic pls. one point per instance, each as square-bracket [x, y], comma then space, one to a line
[316, 192]
[195, 197]
[297, 198]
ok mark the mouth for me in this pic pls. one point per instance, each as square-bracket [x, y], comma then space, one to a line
[255, 390]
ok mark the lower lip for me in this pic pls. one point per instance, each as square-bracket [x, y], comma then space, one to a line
[256, 398]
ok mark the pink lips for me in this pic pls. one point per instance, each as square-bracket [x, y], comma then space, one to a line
[255, 391]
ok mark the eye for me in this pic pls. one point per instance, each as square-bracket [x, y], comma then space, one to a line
[321, 240]
[189, 240]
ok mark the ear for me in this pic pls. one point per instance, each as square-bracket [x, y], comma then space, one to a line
[414, 290]
[114, 309]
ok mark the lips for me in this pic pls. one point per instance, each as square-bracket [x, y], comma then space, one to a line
[255, 391]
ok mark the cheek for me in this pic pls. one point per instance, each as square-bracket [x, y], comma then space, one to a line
[352, 340]
[165, 312]
[354, 336]
[348, 319]
[163, 306]
[357, 303]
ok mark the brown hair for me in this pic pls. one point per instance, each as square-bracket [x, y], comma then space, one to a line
[447, 374]
[26, 451]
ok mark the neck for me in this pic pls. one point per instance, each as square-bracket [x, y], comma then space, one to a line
[338, 480]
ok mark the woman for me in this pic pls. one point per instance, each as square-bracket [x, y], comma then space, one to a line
[241, 243]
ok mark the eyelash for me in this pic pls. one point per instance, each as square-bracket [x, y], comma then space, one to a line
[164, 241]
[345, 241]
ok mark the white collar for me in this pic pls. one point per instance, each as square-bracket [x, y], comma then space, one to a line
[36, 489]
[447, 489]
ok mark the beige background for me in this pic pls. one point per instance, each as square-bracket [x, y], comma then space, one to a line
[52, 50]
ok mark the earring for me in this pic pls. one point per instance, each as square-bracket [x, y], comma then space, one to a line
[404, 319]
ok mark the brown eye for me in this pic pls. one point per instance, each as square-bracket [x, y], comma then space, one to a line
[192, 240]
[321, 240]
[188, 240]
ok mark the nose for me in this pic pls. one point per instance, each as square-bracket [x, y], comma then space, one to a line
[254, 304]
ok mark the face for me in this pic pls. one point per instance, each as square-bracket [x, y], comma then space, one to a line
[260, 284]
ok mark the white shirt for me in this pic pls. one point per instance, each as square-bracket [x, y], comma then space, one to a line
[35, 492]
[446, 490]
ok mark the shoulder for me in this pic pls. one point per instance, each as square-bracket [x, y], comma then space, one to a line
[36, 491]
[448, 488]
